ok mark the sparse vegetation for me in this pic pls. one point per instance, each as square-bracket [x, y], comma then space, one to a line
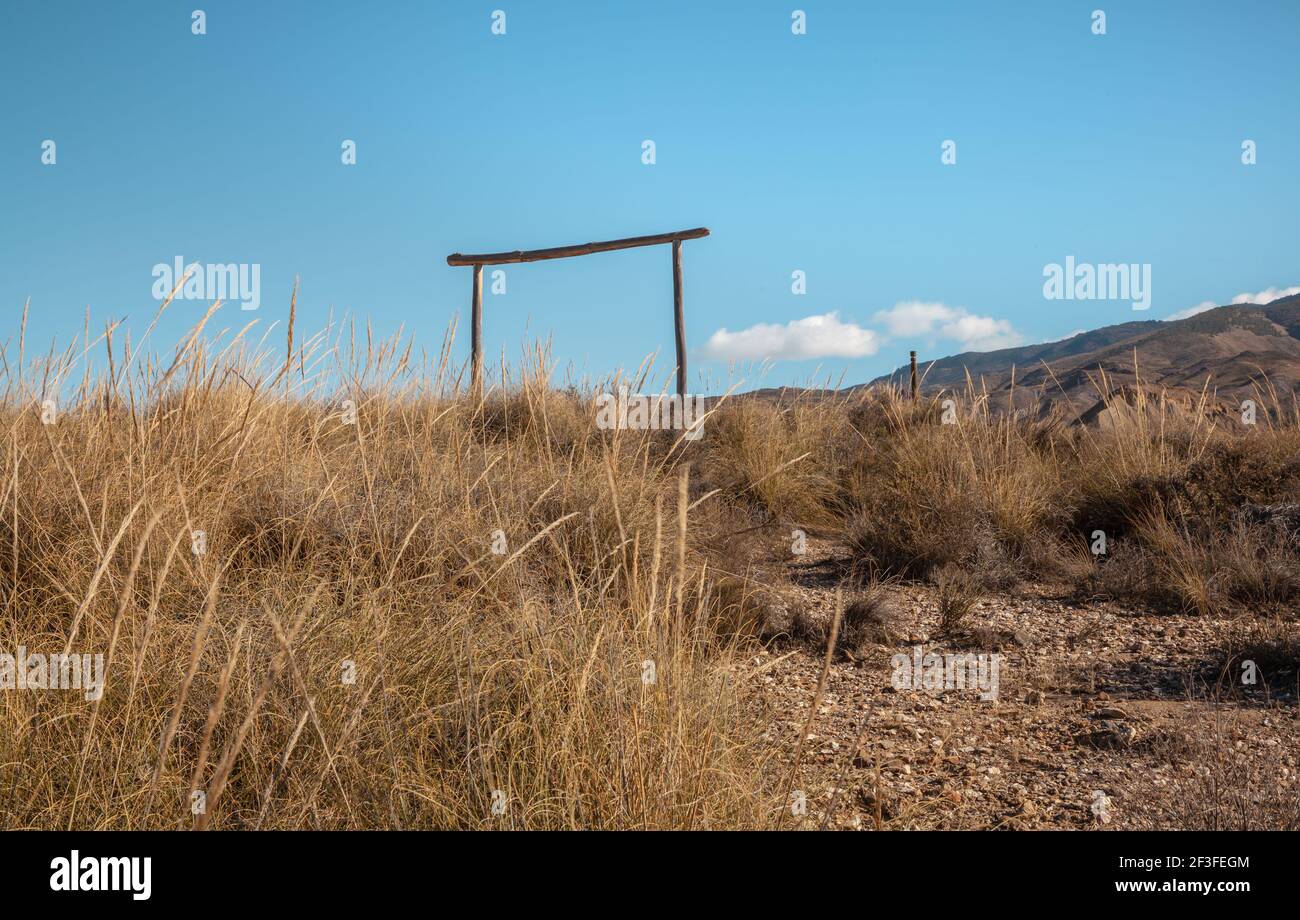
[1229, 786]
[957, 598]
[523, 602]
[1010, 499]
[869, 618]
[529, 610]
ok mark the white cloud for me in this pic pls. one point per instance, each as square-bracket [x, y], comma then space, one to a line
[1191, 311]
[1259, 297]
[914, 317]
[1266, 295]
[824, 336]
[973, 332]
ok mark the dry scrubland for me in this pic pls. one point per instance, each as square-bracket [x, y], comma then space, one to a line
[371, 542]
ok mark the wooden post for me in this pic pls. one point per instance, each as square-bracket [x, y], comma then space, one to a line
[581, 249]
[679, 318]
[476, 335]
[478, 260]
[915, 384]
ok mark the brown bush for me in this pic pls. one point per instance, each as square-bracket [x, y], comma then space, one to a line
[494, 578]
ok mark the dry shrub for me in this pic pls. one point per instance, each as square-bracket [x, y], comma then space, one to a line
[1195, 472]
[783, 458]
[870, 618]
[1258, 657]
[1168, 488]
[356, 647]
[1231, 784]
[1241, 567]
[977, 493]
[744, 608]
[958, 594]
[1196, 512]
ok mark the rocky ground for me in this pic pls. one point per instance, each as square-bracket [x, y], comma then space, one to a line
[1105, 717]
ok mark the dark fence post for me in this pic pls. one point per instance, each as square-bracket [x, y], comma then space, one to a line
[679, 318]
[478, 260]
[476, 335]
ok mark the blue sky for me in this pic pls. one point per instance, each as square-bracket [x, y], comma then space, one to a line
[819, 153]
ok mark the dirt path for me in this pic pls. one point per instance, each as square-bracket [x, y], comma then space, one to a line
[1102, 719]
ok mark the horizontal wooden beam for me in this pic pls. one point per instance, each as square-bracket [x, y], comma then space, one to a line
[581, 249]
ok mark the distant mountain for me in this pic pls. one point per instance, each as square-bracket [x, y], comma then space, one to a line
[1234, 348]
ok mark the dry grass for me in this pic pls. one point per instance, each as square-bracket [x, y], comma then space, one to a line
[958, 595]
[413, 609]
[1259, 657]
[349, 651]
[782, 460]
[1230, 786]
[1007, 498]
[870, 618]
[974, 493]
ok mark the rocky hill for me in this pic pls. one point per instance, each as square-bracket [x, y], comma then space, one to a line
[1234, 349]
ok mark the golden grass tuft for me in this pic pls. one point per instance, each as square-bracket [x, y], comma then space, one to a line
[348, 650]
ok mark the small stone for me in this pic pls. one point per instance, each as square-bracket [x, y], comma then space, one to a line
[1112, 734]
[867, 799]
[1110, 712]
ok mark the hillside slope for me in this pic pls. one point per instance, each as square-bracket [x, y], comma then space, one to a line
[1233, 348]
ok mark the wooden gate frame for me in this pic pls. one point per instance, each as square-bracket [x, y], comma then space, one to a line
[564, 252]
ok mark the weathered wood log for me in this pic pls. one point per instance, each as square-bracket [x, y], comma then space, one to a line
[915, 383]
[679, 317]
[476, 335]
[581, 249]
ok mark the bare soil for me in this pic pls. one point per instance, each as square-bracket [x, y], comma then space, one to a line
[1106, 717]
